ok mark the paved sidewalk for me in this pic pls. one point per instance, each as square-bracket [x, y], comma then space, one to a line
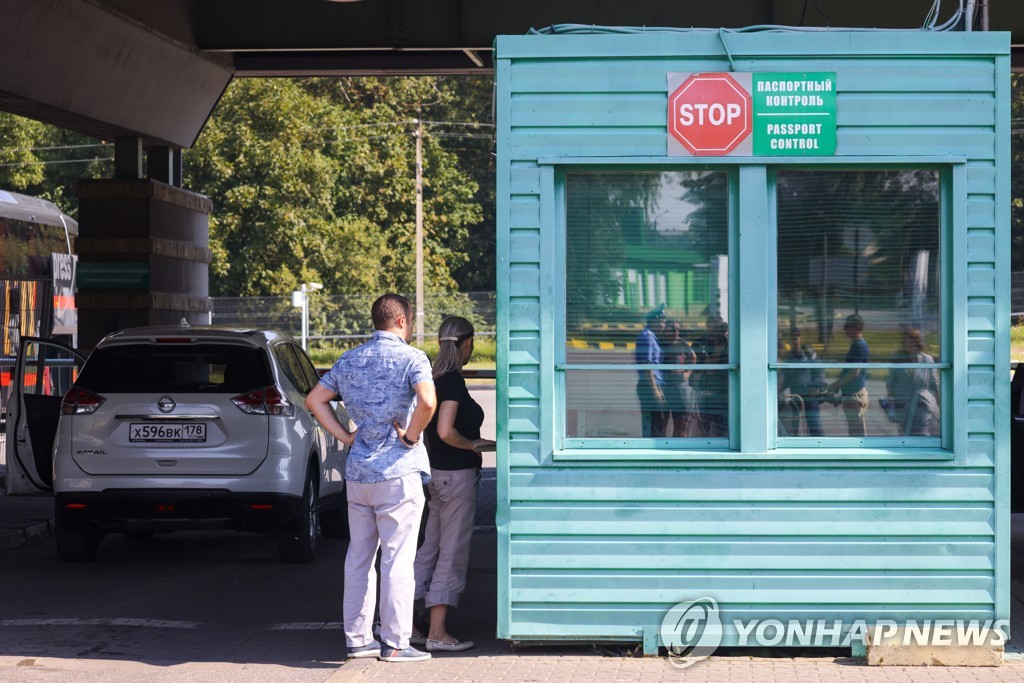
[565, 665]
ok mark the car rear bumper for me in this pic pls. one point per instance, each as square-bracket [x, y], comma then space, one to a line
[176, 510]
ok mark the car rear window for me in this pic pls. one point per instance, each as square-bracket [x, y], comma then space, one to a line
[197, 368]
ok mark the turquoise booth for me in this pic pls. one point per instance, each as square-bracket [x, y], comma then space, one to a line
[753, 329]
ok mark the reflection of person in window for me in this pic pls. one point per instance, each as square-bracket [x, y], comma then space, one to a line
[714, 384]
[852, 381]
[805, 382]
[649, 381]
[915, 391]
[681, 401]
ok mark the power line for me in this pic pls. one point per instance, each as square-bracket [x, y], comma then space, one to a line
[411, 122]
[55, 161]
[391, 135]
[473, 124]
[340, 140]
[40, 149]
[454, 135]
[373, 125]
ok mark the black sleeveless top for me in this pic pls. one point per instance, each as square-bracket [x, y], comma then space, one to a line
[443, 456]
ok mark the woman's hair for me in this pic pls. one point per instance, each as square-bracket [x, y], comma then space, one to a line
[913, 334]
[453, 331]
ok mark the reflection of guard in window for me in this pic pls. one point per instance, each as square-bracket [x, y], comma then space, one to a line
[914, 391]
[649, 382]
[852, 381]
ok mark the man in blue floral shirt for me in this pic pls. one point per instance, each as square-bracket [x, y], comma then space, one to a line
[389, 394]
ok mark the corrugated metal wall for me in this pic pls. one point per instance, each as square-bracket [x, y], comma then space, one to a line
[601, 548]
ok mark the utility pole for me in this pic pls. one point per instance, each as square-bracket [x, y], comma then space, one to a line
[419, 230]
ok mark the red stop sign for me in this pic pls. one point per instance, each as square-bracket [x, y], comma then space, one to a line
[710, 114]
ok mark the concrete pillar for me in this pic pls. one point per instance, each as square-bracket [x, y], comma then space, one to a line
[127, 157]
[176, 177]
[160, 164]
[143, 256]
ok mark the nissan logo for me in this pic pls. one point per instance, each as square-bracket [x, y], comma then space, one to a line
[166, 404]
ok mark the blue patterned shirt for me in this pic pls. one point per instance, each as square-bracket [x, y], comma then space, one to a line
[375, 380]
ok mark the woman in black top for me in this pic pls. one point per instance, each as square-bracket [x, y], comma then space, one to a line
[454, 444]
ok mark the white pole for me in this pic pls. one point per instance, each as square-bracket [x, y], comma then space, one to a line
[419, 231]
[305, 316]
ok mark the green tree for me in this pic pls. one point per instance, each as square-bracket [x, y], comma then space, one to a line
[45, 161]
[472, 138]
[379, 172]
[314, 180]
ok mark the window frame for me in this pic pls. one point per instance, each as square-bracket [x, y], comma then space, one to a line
[753, 433]
[942, 442]
[563, 441]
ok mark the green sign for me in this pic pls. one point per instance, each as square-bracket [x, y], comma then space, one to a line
[113, 275]
[794, 114]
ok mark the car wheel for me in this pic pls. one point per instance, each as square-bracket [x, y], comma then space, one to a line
[334, 522]
[75, 543]
[297, 541]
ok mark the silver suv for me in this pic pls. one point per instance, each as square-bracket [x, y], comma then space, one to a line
[179, 428]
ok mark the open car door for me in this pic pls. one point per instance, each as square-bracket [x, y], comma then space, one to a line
[43, 373]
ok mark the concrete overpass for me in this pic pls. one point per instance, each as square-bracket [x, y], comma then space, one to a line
[156, 69]
[148, 75]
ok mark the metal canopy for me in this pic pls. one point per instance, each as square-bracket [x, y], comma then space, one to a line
[156, 69]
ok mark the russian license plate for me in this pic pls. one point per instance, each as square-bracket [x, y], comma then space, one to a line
[167, 432]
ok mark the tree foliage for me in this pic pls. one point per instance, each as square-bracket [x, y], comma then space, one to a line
[47, 162]
[314, 181]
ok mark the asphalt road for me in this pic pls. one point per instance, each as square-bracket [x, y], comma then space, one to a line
[198, 606]
[195, 598]
[485, 396]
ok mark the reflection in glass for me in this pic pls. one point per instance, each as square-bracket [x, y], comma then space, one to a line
[859, 282]
[647, 284]
[603, 404]
[896, 402]
[859, 242]
[913, 393]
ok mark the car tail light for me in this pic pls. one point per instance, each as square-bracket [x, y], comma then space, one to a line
[80, 401]
[265, 401]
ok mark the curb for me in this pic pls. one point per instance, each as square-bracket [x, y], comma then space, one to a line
[12, 539]
[352, 670]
